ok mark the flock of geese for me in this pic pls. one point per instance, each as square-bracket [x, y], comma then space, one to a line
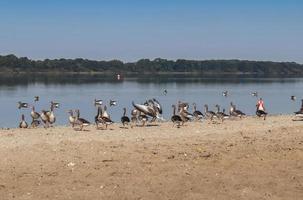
[150, 111]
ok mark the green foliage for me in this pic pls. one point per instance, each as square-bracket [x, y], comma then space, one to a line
[13, 64]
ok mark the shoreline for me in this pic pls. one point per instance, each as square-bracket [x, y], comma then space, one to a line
[238, 159]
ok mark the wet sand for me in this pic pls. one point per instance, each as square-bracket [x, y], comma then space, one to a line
[238, 159]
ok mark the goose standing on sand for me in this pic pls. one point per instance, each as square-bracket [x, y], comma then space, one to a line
[106, 118]
[149, 108]
[98, 117]
[134, 116]
[209, 114]
[80, 121]
[22, 105]
[300, 112]
[124, 119]
[142, 117]
[197, 114]
[71, 118]
[185, 115]
[52, 117]
[221, 115]
[23, 123]
[45, 118]
[234, 112]
[35, 118]
[176, 119]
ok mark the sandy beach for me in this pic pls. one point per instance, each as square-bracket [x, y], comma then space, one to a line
[238, 159]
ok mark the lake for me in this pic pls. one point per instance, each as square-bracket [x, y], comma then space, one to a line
[79, 92]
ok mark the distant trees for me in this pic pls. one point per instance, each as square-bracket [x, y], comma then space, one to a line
[13, 64]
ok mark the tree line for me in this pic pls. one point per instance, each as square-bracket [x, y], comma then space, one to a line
[14, 64]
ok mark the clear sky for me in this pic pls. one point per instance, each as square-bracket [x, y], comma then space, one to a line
[132, 29]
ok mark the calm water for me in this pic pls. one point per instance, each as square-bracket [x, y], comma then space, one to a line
[80, 91]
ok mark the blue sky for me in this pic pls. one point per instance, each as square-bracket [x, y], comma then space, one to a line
[132, 29]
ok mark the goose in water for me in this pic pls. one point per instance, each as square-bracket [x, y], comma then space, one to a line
[23, 123]
[209, 114]
[293, 98]
[55, 104]
[197, 114]
[106, 118]
[221, 115]
[112, 103]
[234, 112]
[22, 105]
[124, 119]
[254, 94]
[71, 118]
[165, 92]
[36, 98]
[225, 93]
[80, 121]
[98, 102]
[176, 119]
[45, 118]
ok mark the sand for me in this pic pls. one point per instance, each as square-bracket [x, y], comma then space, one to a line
[239, 159]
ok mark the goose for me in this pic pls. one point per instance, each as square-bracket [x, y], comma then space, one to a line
[197, 114]
[134, 116]
[112, 103]
[80, 121]
[300, 112]
[22, 105]
[71, 118]
[148, 110]
[124, 118]
[225, 93]
[221, 115]
[106, 118]
[98, 102]
[209, 114]
[234, 112]
[35, 123]
[261, 113]
[165, 92]
[185, 115]
[36, 98]
[55, 104]
[104, 113]
[23, 123]
[142, 117]
[98, 117]
[254, 94]
[176, 119]
[34, 114]
[52, 117]
[293, 98]
[45, 118]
